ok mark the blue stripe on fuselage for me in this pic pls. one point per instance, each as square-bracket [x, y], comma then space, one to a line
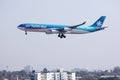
[42, 26]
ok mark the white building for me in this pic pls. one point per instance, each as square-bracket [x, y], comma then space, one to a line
[55, 76]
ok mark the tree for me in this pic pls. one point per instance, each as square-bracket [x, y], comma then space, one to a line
[45, 70]
[116, 70]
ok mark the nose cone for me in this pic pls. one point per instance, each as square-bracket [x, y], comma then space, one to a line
[21, 26]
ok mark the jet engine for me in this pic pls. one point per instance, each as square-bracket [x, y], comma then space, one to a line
[52, 31]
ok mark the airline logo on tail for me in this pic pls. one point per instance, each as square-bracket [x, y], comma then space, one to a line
[99, 23]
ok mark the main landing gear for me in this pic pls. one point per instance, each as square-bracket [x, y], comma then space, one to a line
[61, 35]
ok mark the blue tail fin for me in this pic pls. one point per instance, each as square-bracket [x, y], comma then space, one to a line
[99, 22]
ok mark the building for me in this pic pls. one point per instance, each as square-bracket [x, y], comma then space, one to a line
[55, 75]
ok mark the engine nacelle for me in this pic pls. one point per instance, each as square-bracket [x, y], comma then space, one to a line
[67, 29]
[52, 31]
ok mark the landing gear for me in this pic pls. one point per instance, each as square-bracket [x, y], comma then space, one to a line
[61, 35]
[25, 32]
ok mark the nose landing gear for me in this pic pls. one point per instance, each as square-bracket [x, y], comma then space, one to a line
[25, 32]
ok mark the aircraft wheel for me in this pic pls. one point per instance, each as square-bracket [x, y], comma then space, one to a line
[64, 36]
[25, 32]
[59, 35]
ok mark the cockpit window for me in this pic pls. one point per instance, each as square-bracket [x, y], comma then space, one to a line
[22, 25]
[25, 25]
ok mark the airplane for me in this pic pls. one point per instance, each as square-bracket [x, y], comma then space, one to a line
[61, 30]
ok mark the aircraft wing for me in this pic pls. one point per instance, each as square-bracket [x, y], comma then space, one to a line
[65, 29]
[73, 27]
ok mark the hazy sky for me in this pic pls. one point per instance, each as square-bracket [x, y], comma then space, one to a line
[99, 50]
